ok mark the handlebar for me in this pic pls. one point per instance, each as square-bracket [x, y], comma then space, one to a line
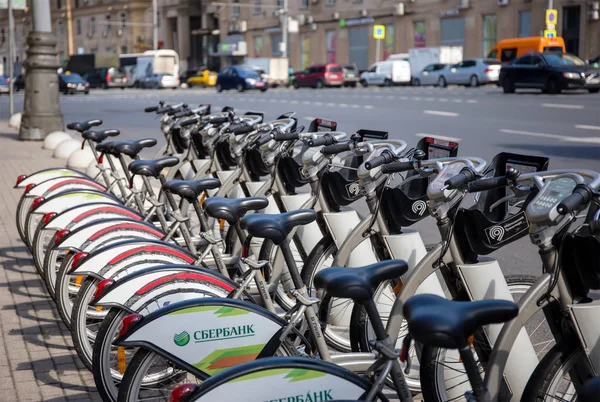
[398, 167]
[465, 176]
[240, 128]
[336, 148]
[580, 197]
[190, 121]
[326, 139]
[385, 157]
[151, 109]
[289, 136]
[487, 184]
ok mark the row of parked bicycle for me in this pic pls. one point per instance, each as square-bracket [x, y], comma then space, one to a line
[232, 267]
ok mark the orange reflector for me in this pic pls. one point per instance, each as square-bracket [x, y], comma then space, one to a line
[121, 361]
[78, 280]
[398, 287]
[470, 341]
[98, 308]
[222, 224]
[202, 198]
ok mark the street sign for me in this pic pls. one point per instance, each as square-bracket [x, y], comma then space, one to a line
[16, 4]
[551, 17]
[379, 31]
[550, 33]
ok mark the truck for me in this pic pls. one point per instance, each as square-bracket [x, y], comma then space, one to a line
[420, 58]
[275, 69]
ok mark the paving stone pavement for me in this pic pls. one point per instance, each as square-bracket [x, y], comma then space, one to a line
[37, 359]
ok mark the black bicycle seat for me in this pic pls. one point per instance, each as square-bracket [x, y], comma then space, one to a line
[276, 227]
[233, 209]
[84, 125]
[99, 135]
[435, 321]
[105, 147]
[132, 148]
[191, 189]
[358, 284]
[151, 168]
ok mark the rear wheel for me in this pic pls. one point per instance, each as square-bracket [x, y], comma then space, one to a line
[508, 87]
[364, 83]
[319, 84]
[473, 82]
[416, 82]
[219, 88]
[240, 87]
[442, 82]
[553, 86]
[387, 83]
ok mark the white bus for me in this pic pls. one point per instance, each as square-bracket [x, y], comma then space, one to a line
[162, 61]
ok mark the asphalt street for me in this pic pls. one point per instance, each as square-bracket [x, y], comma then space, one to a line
[483, 120]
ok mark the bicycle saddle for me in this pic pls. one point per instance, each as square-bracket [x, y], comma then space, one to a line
[191, 189]
[132, 148]
[358, 284]
[151, 168]
[105, 147]
[233, 209]
[84, 125]
[433, 320]
[276, 227]
[99, 135]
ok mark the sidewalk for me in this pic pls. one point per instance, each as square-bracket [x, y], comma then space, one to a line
[37, 358]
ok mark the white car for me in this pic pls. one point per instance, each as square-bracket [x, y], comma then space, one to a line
[430, 75]
[160, 81]
[471, 72]
[387, 73]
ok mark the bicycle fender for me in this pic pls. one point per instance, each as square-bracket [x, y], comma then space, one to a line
[45, 174]
[62, 201]
[206, 336]
[82, 214]
[59, 184]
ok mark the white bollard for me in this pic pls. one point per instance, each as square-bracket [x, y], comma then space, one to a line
[15, 121]
[66, 148]
[54, 138]
[81, 159]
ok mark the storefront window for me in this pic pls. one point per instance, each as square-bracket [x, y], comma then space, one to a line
[388, 42]
[419, 34]
[524, 24]
[258, 46]
[331, 37]
[305, 50]
[489, 33]
[452, 32]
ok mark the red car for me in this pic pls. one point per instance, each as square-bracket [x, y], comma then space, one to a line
[321, 75]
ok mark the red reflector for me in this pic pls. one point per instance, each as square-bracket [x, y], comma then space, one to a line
[37, 202]
[128, 322]
[245, 250]
[29, 187]
[453, 144]
[21, 178]
[106, 283]
[77, 258]
[101, 158]
[59, 236]
[429, 140]
[181, 391]
[403, 354]
[48, 217]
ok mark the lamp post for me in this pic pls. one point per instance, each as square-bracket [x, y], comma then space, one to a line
[41, 111]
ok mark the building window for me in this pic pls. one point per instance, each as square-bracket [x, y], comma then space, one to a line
[279, 3]
[452, 32]
[388, 42]
[331, 38]
[58, 4]
[304, 4]
[258, 46]
[123, 21]
[330, 3]
[60, 28]
[235, 9]
[419, 34]
[524, 24]
[257, 7]
[108, 26]
[93, 26]
[489, 33]
[276, 45]
[78, 26]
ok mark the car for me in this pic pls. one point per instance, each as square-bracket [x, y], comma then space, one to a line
[241, 78]
[160, 81]
[552, 72]
[351, 75]
[107, 77]
[320, 75]
[387, 73]
[72, 83]
[595, 62]
[430, 75]
[471, 72]
[204, 78]
[19, 83]
[4, 87]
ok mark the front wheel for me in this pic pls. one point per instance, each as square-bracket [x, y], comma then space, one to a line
[473, 82]
[553, 87]
[508, 87]
[219, 88]
[442, 82]
[240, 87]
[417, 82]
[364, 83]
[387, 83]
[594, 90]
[319, 84]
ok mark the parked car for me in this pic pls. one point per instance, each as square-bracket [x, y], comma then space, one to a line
[321, 75]
[471, 72]
[595, 62]
[387, 73]
[159, 81]
[551, 72]
[107, 77]
[4, 88]
[241, 78]
[351, 75]
[19, 83]
[72, 83]
[430, 75]
[204, 78]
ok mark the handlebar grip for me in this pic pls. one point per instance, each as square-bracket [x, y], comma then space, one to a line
[263, 139]
[151, 109]
[385, 157]
[289, 136]
[240, 128]
[163, 110]
[570, 203]
[189, 122]
[217, 119]
[183, 113]
[324, 140]
[336, 148]
[398, 167]
[487, 184]
[464, 177]
[173, 112]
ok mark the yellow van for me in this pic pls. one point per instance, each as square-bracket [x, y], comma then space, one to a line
[507, 50]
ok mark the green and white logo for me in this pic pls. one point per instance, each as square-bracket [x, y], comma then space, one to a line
[181, 339]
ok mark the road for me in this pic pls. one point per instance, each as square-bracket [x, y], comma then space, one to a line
[485, 121]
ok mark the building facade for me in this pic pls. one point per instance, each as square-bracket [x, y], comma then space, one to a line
[342, 30]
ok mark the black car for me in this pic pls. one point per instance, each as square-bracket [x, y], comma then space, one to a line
[107, 77]
[551, 72]
[72, 83]
[241, 78]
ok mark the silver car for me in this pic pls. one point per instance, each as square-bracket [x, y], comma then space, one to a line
[430, 75]
[471, 72]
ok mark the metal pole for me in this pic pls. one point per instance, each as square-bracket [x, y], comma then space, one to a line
[155, 24]
[284, 29]
[550, 4]
[11, 57]
[70, 36]
[377, 50]
[41, 16]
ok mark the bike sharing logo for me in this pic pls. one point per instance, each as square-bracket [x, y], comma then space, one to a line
[497, 233]
[419, 207]
[181, 339]
[511, 228]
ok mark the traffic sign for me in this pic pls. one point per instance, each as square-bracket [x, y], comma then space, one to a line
[379, 31]
[550, 33]
[551, 17]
